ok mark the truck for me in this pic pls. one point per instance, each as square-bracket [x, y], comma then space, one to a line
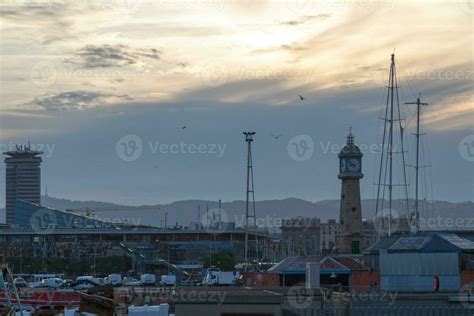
[168, 280]
[215, 277]
[114, 279]
[147, 279]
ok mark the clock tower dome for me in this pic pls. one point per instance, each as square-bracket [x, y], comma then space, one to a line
[350, 238]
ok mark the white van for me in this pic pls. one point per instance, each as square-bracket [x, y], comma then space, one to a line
[147, 279]
[114, 279]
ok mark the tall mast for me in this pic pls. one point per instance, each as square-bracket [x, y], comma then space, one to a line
[250, 192]
[418, 104]
[390, 145]
[387, 169]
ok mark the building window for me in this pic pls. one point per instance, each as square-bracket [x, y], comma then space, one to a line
[353, 209]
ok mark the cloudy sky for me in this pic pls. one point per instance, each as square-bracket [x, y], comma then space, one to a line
[105, 88]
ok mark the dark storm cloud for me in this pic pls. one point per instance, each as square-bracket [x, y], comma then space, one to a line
[305, 19]
[103, 56]
[73, 100]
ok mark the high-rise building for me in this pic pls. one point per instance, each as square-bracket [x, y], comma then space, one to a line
[350, 238]
[23, 178]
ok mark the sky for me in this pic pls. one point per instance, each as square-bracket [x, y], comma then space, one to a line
[143, 102]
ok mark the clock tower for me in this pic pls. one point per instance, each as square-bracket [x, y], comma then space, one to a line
[350, 238]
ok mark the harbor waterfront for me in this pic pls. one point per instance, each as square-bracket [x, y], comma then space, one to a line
[236, 158]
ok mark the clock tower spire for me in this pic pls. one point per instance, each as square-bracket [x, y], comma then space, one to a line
[350, 238]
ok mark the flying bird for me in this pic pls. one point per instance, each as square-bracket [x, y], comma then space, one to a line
[184, 127]
[277, 136]
[301, 97]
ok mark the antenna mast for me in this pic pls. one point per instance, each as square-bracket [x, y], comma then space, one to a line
[250, 192]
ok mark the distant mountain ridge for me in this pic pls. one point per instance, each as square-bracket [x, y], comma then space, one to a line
[269, 212]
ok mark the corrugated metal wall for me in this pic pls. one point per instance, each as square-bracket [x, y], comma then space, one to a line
[382, 310]
[419, 283]
[427, 264]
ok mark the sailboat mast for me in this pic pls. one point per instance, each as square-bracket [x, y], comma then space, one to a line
[417, 159]
[390, 153]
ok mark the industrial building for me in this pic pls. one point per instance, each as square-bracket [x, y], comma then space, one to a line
[425, 261]
[347, 271]
[49, 233]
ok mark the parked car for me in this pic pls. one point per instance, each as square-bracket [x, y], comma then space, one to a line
[128, 281]
[84, 285]
[52, 282]
[20, 282]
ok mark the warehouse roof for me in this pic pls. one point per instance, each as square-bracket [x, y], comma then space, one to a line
[328, 264]
[425, 242]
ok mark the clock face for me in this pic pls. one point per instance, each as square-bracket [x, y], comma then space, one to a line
[343, 165]
[353, 165]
